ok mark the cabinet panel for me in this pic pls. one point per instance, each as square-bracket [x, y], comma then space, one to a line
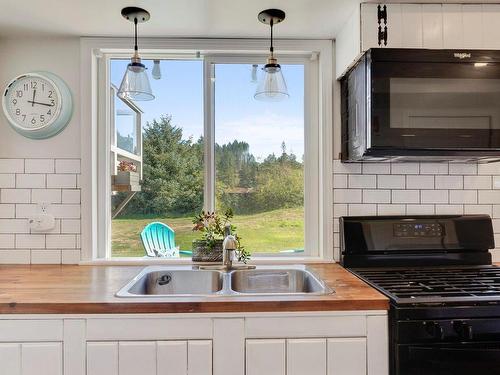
[369, 26]
[306, 356]
[137, 358]
[172, 358]
[411, 25]
[453, 36]
[10, 358]
[491, 31]
[472, 21]
[265, 357]
[432, 25]
[102, 358]
[41, 359]
[199, 357]
[347, 356]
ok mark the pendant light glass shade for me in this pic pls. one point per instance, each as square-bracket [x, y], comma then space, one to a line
[272, 85]
[156, 73]
[135, 83]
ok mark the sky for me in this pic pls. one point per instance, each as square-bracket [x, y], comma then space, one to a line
[238, 116]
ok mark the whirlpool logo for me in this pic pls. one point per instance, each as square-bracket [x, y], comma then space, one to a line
[462, 55]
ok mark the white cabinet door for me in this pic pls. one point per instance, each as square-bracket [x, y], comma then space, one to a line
[306, 356]
[347, 356]
[265, 357]
[31, 358]
[192, 357]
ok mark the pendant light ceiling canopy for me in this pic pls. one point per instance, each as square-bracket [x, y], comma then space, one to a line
[135, 83]
[272, 85]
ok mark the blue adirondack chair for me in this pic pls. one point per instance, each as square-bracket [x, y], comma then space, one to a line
[158, 240]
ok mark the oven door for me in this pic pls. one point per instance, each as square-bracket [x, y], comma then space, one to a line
[435, 105]
[449, 359]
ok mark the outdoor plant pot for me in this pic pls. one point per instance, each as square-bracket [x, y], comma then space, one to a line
[201, 253]
[127, 178]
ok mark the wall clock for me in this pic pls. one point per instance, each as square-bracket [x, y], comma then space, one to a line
[37, 105]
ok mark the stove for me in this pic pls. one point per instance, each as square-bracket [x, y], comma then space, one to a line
[444, 315]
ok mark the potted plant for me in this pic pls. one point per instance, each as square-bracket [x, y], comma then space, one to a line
[209, 247]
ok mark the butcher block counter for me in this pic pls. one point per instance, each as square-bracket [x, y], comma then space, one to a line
[65, 289]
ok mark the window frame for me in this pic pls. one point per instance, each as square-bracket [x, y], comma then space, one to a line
[317, 57]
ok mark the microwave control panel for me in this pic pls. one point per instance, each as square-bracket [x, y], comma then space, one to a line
[416, 229]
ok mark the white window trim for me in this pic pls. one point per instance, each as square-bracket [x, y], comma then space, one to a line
[95, 190]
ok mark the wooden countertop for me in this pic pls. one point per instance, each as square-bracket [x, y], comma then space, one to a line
[51, 289]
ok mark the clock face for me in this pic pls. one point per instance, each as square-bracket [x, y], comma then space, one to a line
[32, 102]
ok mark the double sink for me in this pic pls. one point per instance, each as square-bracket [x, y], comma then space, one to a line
[165, 281]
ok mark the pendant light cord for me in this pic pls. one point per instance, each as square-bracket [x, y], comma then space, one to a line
[135, 34]
[271, 23]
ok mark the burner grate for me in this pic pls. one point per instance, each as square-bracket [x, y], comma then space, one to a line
[436, 282]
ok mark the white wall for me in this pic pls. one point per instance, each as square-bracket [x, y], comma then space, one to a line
[35, 171]
[57, 55]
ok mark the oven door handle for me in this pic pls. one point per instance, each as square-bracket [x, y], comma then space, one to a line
[456, 354]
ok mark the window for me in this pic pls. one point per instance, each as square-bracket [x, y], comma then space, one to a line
[206, 143]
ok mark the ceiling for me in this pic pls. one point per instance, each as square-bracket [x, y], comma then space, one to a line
[173, 18]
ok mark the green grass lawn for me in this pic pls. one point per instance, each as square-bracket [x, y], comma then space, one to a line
[270, 231]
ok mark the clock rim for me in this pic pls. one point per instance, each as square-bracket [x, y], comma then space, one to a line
[59, 108]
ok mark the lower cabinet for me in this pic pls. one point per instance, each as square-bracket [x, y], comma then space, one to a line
[193, 357]
[302, 343]
[318, 356]
[31, 358]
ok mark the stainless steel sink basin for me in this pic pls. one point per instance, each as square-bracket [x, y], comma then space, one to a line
[277, 281]
[183, 281]
[163, 281]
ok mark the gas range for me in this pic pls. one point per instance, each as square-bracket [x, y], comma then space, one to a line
[444, 316]
[436, 285]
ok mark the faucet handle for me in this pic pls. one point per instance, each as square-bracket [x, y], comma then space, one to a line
[227, 230]
[230, 243]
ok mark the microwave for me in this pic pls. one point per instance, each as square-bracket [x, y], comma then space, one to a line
[421, 105]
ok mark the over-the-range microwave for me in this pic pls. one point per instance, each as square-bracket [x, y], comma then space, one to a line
[422, 105]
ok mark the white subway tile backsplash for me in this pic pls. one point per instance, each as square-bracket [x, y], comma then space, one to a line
[449, 209]
[434, 196]
[391, 209]
[405, 196]
[362, 181]
[39, 166]
[45, 256]
[67, 165]
[7, 211]
[30, 241]
[405, 168]
[362, 209]
[340, 209]
[463, 196]
[495, 211]
[463, 168]
[376, 196]
[449, 182]
[70, 226]
[496, 182]
[477, 182]
[25, 211]
[15, 196]
[391, 182]
[7, 241]
[420, 209]
[474, 209]
[11, 165]
[7, 180]
[434, 168]
[71, 196]
[346, 168]
[14, 226]
[65, 211]
[489, 169]
[376, 168]
[13, 256]
[340, 181]
[70, 256]
[420, 182]
[489, 196]
[347, 195]
[31, 180]
[46, 196]
[61, 181]
[59, 241]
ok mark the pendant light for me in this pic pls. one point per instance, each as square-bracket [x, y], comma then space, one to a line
[156, 72]
[135, 82]
[272, 85]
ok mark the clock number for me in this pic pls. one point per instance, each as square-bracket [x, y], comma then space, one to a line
[50, 94]
[49, 112]
[14, 101]
[33, 84]
[42, 118]
[24, 118]
[19, 93]
[26, 87]
[52, 102]
[43, 86]
[18, 112]
[33, 121]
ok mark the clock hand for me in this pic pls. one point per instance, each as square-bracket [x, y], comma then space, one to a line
[33, 100]
[46, 104]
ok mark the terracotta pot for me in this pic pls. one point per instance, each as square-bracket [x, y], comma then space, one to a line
[201, 253]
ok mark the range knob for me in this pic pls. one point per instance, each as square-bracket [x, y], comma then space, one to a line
[434, 329]
[463, 329]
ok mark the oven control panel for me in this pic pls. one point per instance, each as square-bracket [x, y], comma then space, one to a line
[415, 229]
